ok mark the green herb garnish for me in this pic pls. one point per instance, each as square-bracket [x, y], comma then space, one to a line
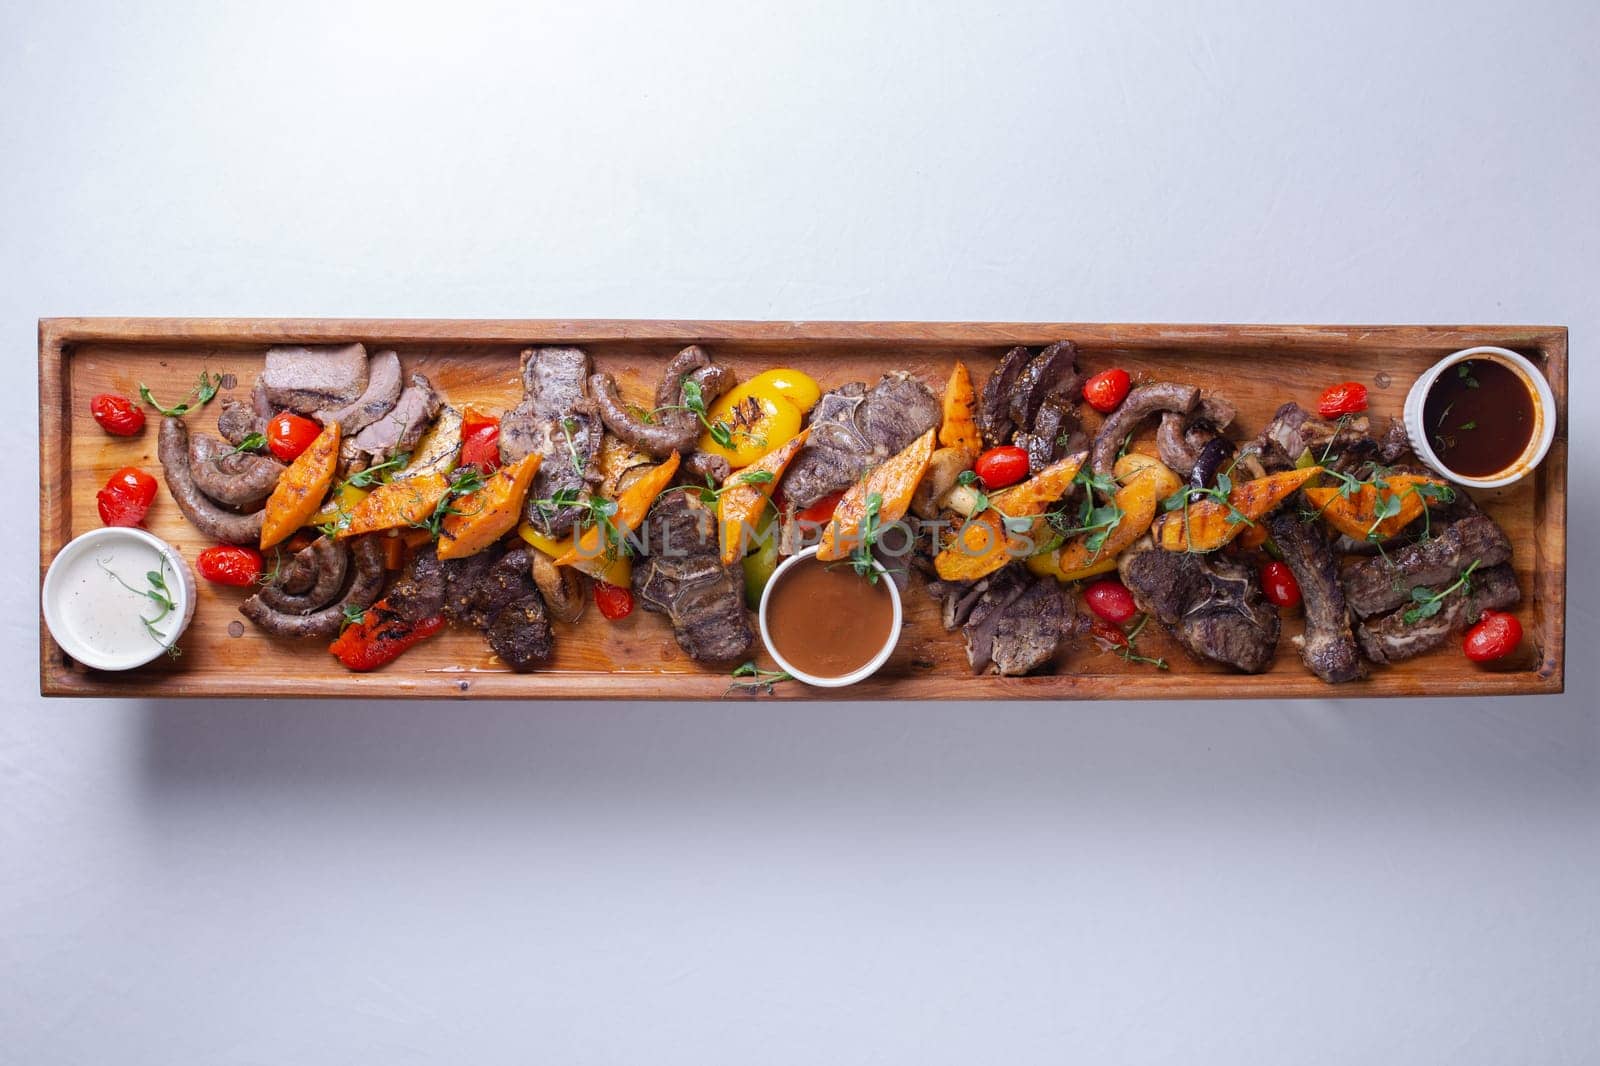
[203, 391]
[1429, 603]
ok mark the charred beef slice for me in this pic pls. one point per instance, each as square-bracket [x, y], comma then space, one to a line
[1010, 620]
[314, 378]
[420, 591]
[1213, 605]
[1381, 584]
[681, 576]
[492, 591]
[855, 428]
[1328, 647]
[1392, 638]
[558, 419]
[994, 408]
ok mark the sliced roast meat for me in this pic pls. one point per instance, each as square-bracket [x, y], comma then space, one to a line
[1053, 372]
[378, 399]
[558, 419]
[1140, 404]
[242, 480]
[242, 419]
[315, 377]
[1054, 433]
[1213, 604]
[326, 622]
[402, 426]
[328, 561]
[994, 411]
[1392, 638]
[212, 520]
[1394, 444]
[1010, 620]
[1381, 584]
[681, 576]
[1328, 647]
[1294, 431]
[853, 429]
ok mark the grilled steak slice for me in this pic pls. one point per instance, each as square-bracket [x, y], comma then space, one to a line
[558, 419]
[1054, 433]
[419, 593]
[241, 419]
[1294, 430]
[994, 412]
[478, 587]
[854, 429]
[1053, 372]
[1140, 404]
[1391, 639]
[308, 379]
[1010, 620]
[520, 634]
[1328, 648]
[361, 592]
[1380, 584]
[213, 521]
[377, 400]
[399, 430]
[232, 478]
[1213, 605]
[682, 577]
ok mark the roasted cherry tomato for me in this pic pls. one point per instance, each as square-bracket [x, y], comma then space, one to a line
[1107, 389]
[126, 498]
[1345, 398]
[288, 435]
[614, 601]
[819, 513]
[380, 637]
[1278, 582]
[480, 440]
[1002, 466]
[229, 564]
[117, 415]
[1496, 635]
[1111, 600]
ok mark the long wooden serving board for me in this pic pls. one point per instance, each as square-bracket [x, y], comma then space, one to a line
[1255, 367]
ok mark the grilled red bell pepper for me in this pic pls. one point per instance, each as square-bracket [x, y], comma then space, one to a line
[480, 440]
[380, 637]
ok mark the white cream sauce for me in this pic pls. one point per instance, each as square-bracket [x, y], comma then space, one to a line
[100, 612]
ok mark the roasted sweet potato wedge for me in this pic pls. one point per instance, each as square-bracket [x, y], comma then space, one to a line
[632, 506]
[984, 544]
[301, 489]
[745, 494]
[1356, 515]
[480, 518]
[893, 483]
[1207, 525]
[396, 504]
[959, 427]
[1144, 482]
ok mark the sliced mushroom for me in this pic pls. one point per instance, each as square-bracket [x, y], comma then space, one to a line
[944, 467]
[565, 590]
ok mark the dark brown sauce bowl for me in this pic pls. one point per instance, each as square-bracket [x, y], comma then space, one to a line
[1544, 416]
[862, 672]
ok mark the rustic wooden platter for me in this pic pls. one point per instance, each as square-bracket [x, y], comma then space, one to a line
[1256, 367]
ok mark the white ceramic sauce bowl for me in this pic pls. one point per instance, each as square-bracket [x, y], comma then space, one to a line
[1544, 412]
[95, 632]
[859, 674]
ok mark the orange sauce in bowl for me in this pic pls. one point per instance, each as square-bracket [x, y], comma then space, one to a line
[827, 620]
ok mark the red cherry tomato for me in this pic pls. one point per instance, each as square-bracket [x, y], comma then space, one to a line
[1002, 466]
[1345, 398]
[819, 512]
[1111, 600]
[1278, 582]
[1107, 389]
[229, 564]
[480, 441]
[126, 498]
[614, 601]
[288, 435]
[1496, 635]
[117, 415]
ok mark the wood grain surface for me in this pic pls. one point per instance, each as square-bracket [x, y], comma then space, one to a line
[1257, 367]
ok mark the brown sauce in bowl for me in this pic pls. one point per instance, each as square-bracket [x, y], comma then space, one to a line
[827, 620]
[1479, 416]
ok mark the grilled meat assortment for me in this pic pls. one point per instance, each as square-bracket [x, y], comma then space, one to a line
[1212, 604]
[1328, 648]
[1010, 620]
[313, 378]
[680, 575]
[1395, 638]
[1384, 582]
[853, 428]
[558, 419]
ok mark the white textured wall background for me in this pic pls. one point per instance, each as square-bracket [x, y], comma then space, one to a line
[1306, 883]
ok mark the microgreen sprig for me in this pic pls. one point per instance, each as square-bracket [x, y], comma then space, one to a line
[203, 391]
[759, 681]
[1429, 603]
[158, 593]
